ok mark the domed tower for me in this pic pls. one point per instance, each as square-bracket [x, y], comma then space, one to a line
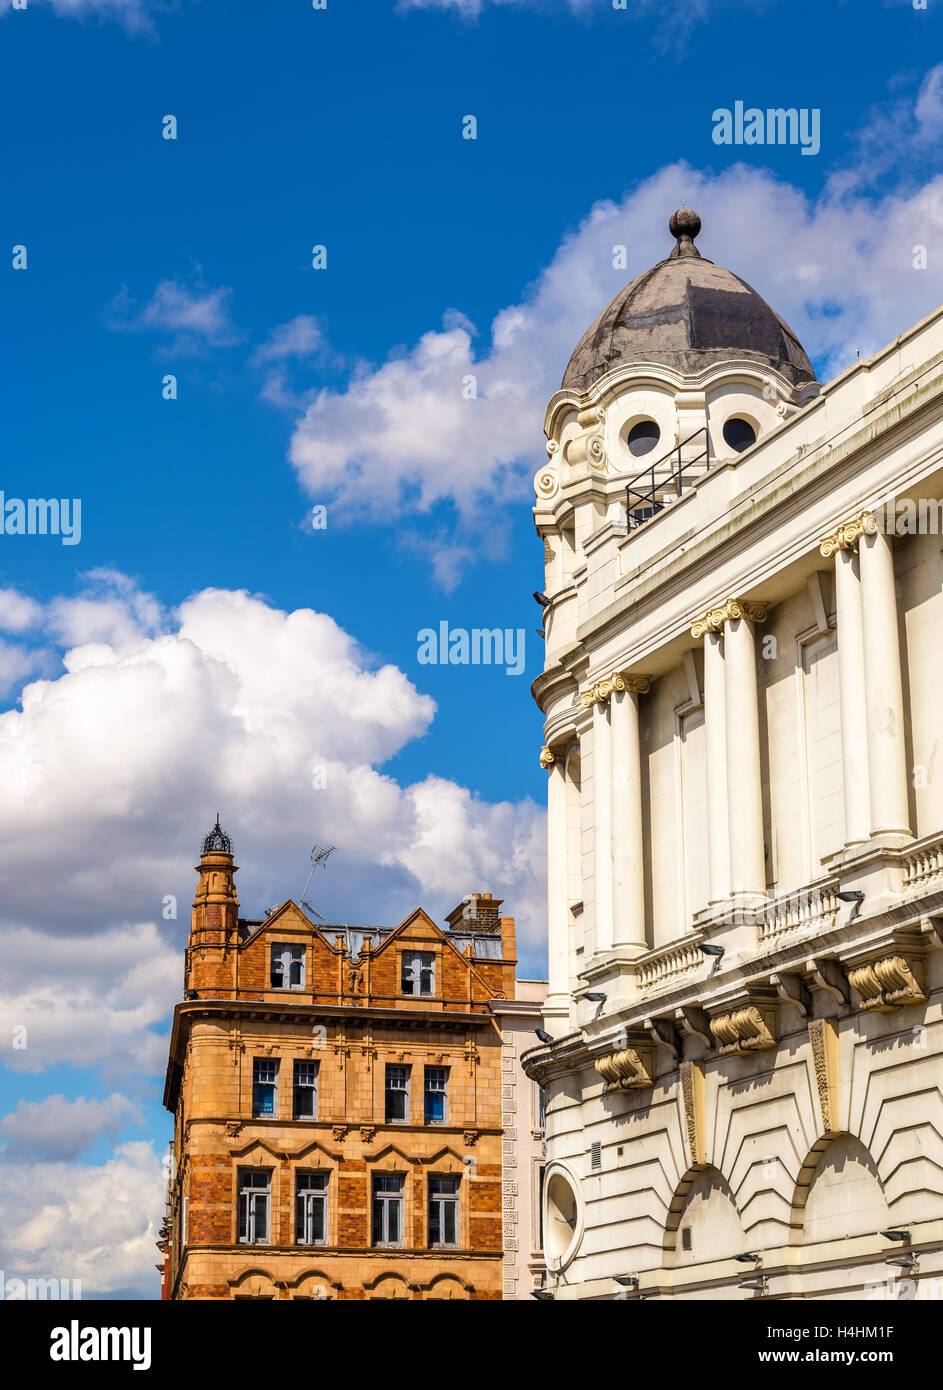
[214, 922]
[685, 369]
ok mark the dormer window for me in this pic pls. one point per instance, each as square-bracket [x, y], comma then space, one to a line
[418, 972]
[643, 437]
[288, 967]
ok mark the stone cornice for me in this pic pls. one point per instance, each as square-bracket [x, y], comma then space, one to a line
[847, 536]
[730, 610]
[599, 692]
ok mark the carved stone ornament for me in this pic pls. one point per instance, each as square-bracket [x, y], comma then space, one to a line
[546, 756]
[889, 983]
[234, 1128]
[849, 534]
[730, 610]
[618, 681]
[744, 1030]
[691, 1075]
[470, 1137]
[823, 1038]
[339, 1132]
[625, 1071]
[546, 483]
[367, 1134]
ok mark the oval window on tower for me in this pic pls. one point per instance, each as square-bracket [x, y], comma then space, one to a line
[643, 437]
[739, 434]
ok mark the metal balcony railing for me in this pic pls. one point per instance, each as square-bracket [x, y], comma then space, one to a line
[650, 491]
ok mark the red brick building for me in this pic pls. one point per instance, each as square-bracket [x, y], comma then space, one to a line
[336, 1092]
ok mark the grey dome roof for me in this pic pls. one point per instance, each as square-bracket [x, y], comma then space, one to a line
[687, 313]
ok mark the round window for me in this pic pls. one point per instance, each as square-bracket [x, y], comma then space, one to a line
[643, 437]
[563, 1219]
[739, 434]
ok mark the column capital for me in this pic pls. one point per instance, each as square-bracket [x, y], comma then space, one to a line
[729, 611]
[600, 692]
[847, 536]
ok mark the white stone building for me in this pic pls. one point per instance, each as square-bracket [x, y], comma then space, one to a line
[523, 1144]
[742, 696]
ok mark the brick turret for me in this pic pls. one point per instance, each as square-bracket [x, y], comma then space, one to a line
[214, 922]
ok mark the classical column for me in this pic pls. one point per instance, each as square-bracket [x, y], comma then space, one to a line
[744, 785]
[628, 872]
[602, 826]
[851, 681]
[715, 732]
[887, 754]
[558, 945]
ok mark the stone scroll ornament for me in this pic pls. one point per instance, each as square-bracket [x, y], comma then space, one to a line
[849, 534]
[618, 681]
[730, 610]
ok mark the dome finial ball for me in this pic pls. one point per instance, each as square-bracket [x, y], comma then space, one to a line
[684, 222]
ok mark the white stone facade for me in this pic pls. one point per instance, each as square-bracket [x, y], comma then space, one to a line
[742, 699]
[524, 1142]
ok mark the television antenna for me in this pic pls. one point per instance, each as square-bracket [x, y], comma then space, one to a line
[319, 857]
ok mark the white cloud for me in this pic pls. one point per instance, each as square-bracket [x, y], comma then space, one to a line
[18, 612]
[57, 1129]
[96, 1224]
[197, 317]
[300, 337]
[409, 434]
[89, 999]
[121, 762]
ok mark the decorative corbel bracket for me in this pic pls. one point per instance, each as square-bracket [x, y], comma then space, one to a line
[792, 991]
[889, 981]
[632, 1069]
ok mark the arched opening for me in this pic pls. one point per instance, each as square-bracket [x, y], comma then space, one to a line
[839, 1193]
[706, 1225]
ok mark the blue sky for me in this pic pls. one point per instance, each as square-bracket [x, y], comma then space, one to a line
[340, 387]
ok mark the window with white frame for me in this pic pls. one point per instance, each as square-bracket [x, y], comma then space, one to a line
[305, 1091]
[443, 1210]
[397, 1094]
[311, 1208]
[264, 1087]
[418, 972]
[436, 1109]
[388, 1208]
[288, 967]
[255, 1189]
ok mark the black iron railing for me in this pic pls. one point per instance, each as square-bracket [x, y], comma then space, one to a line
[645, 494]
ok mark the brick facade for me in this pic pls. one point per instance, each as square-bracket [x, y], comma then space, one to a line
[352, 1019]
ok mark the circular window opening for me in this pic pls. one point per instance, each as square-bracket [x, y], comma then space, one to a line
[739, 434]
[643, 437]
[562, 1214]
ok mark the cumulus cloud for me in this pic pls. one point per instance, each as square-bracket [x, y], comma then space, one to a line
[195, 316]
[96, 1224]
[455, 418]
[56, 1129]
[279, 719]
[90, 999]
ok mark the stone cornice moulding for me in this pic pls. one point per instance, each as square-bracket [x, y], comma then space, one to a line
[847, 536]
[600, 691]
[731, 610]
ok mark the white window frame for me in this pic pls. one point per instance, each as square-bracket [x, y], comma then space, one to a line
[442, 1091]
[305, 1086]
[403, 1090]
[413, 966]
[445, 1201]
[387, 1200]
[306, 1199]
[248, 1191]
[285, 954]
[272, 1063]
